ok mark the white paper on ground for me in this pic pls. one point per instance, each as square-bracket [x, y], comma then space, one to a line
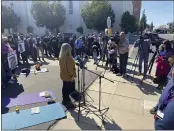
[35, 110]
[42, 94]
[44, 70]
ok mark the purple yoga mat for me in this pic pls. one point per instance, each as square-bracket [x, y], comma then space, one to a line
[25, 100]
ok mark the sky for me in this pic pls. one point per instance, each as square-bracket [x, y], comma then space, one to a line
[160, 12]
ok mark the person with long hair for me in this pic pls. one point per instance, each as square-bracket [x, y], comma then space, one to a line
[67, 73]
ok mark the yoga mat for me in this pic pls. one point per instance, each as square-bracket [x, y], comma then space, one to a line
[32, 71]
[14, 121]
[24, 100]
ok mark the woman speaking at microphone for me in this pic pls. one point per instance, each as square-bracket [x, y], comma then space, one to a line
[67, 74]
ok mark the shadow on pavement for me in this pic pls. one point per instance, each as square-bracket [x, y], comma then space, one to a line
[109, 124]
[144, 87]
[84, 119]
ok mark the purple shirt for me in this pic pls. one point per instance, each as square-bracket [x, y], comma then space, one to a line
[5, 48]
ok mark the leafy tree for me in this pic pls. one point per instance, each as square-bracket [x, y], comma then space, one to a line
[128, 22]
[143, 21]
[151, 26]
[95, 14]
[52, 16]
[80, 30]
[148, 26]
[9, 18]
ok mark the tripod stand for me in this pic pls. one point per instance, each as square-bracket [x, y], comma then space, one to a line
[151, 63]
[136, 60]
[86, 105]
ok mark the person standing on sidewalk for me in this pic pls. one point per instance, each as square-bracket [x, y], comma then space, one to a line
[67, 74]
[123, 48]
[39, 48]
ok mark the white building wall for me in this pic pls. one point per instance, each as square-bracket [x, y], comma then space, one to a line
[72, 21]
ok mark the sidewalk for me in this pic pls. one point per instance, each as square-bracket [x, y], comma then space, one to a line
[129, 104]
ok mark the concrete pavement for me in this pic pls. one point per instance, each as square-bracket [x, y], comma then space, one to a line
[129, 104]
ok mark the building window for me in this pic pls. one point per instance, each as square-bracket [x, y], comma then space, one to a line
[70, 7]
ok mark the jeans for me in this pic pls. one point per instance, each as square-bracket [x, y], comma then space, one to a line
[40, 48]
[145, 59]
[95, 57]
[167, 123]
[123, 62]
[68, 88]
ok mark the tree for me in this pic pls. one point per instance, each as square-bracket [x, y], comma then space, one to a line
[143, 21]
[148, 26]
[80, 30]
[51, 16]
[128, 22]
[9, 18]
[95, 14]
[151, 26]
[30, 29]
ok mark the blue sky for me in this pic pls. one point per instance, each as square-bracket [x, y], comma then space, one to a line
[160, 12]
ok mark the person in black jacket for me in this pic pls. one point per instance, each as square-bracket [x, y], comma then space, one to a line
[25, 53]
[96, 51]
[45, 45]
[54, 42]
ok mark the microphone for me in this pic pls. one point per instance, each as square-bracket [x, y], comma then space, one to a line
[81, 62]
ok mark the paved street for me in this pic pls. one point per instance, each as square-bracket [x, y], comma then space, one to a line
[129, 104]
[38, 83]
[167, 36]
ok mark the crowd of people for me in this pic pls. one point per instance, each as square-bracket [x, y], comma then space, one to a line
[101, 48]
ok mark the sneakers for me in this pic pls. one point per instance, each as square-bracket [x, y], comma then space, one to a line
[153, 110]
[160, 87]
[119, 74]
[11, 82]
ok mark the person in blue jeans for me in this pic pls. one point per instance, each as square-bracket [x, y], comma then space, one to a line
[166, 103]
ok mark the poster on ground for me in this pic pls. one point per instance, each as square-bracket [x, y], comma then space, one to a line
[12, 60]
[21, 46]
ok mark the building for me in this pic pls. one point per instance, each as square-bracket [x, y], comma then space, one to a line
[73, 18]
[137, 8]
[170, 25]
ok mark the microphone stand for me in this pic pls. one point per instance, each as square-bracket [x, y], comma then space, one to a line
[100, 113]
